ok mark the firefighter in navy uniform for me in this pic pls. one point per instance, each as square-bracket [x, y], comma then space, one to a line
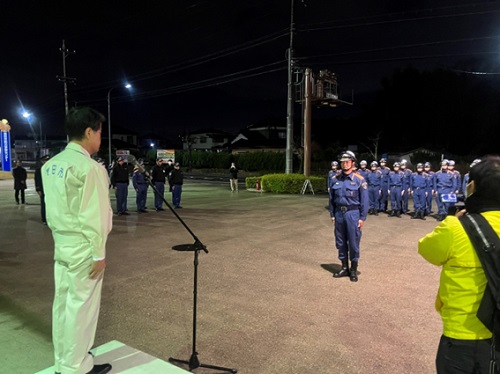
[396, 185]
[430, 188]
[419, 183]
[331, 173]
[456, 174]
[406, 186]
[466, 177]
[159, 177]
[374, 179]
[120, 180]
[444, 183]
[349, 209]
[384, 196]
[362, 169]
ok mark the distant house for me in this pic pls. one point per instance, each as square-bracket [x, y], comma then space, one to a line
[266, 136]
[206, 139]
[26, 149]
[121, 134]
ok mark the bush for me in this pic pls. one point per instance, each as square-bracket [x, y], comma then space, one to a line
[286, 183]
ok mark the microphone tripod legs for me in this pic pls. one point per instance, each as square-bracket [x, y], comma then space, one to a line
[194, 363]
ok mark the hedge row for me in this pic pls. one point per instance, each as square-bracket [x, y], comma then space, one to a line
[286, 183]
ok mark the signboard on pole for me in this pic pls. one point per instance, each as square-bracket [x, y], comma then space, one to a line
[6, 151]
[5, 145]
[166, 154]
[123, 153]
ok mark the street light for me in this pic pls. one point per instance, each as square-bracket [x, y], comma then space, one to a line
[128, 86]
[27, 115]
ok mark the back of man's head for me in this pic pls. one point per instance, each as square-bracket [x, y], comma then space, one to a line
[486, 177]
[79, 119]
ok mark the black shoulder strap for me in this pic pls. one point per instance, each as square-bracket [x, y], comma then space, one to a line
[487, 245]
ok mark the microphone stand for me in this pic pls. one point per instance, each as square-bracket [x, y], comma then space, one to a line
[193, 362]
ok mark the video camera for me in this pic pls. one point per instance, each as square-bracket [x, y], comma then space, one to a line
[456, 199]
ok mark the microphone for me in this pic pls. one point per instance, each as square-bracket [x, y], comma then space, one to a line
[132, 160]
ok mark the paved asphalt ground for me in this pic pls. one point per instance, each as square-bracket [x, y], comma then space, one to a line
[267, 301]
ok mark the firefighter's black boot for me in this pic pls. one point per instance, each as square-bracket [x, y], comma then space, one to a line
[353, 274]
[398, 213]
[344, 272]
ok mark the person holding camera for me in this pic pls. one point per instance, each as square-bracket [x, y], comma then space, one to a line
[466, 344]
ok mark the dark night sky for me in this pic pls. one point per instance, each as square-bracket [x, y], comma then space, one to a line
[221, 63]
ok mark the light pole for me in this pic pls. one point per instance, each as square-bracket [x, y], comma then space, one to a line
[128, 86]
[28, 115]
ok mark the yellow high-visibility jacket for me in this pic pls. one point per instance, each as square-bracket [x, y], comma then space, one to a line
[462, 281]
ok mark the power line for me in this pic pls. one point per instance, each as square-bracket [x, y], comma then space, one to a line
[190, 63]
[403, 46]
[211, 82]
[400, 20]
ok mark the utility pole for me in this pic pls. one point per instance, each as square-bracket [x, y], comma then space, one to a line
[307, 123]
[64, 78]
[289, 112]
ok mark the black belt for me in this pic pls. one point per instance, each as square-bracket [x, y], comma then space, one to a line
[393, 185]
[419, 188]
[345, 208]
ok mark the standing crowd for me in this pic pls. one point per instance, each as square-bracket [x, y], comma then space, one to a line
[161, 174]
[395, 187]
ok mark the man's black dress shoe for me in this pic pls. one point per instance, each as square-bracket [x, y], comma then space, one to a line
[100, 369]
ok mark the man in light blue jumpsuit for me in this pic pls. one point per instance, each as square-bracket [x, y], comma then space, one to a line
[374, 180]
[79, 215]
[444, 183]
[418, 185]
[384, 196]
[396, 183]
[349, 196]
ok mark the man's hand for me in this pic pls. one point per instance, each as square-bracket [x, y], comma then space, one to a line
[360, 224]
[97, 268]
[333, 219]
[460, 213]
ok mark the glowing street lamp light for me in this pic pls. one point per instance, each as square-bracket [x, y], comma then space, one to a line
[128, 86]
[28, 115]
